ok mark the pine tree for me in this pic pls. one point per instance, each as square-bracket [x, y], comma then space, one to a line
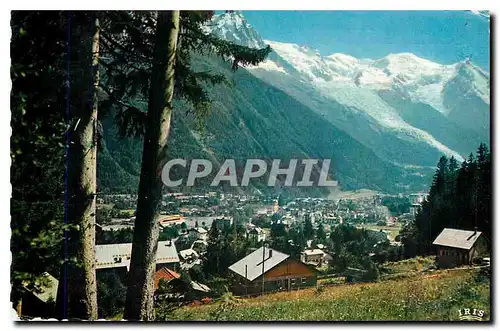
[171, 64]
[139, 304]
[211, 259]
[308, 229]
[321, 235]
[82, 157]
[37, 148]
[458, 198]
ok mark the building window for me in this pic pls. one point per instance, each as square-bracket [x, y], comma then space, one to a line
[292, 281]
[303, 280]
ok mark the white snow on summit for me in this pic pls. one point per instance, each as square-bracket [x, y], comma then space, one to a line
[357, 83]
[232, 26]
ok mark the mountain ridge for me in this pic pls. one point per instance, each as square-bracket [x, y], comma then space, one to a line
[383, 122]
[356, 84]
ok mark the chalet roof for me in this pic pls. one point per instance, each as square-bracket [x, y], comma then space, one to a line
[199, 230]
[313, 252]
[186, 253]
[118, 255]
[253, 262]
[457, 238]
[165, 273]
[112, 255]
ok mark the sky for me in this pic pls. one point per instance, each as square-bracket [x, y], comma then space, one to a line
[441, 36]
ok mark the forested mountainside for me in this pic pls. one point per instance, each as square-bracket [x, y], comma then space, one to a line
[252, 119]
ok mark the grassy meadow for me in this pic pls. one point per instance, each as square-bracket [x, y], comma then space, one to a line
[423, 297]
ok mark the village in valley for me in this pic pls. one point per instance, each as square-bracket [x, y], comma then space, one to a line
[187, 224]
[283, 245]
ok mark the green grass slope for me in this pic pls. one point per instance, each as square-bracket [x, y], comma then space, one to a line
[432, 297]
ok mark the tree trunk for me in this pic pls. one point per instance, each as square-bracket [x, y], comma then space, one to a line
[139, 303]
[80, 283]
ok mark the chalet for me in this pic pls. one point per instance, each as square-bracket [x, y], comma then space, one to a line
[166, 274]
[199, 233]
[199, 246]
[178, 287]
[189, 258]
[457, 247]
[256, 234]
[118, 256]
[312, 256]
[188, 255]
[273, 268]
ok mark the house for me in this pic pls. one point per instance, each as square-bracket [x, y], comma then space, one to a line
[328, 259]
[312, 256]
[414, 208]
[118, 255]
[417, 198]
[188, 254]
[256, 234]
[113, 256]
[166, 274]
[166, 255]
[457, 247]
[271, 268]
[189, 258]
[199, 246]
[199, 233]
[178, 287]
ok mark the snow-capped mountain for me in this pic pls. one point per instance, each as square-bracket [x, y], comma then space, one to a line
[419, 79]
[407, 109]
[232, 26]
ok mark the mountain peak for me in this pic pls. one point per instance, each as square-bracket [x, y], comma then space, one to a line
[232, 26]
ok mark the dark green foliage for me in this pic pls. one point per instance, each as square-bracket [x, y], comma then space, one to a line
[225, 247]
[320, 234]
[350, 247]
[128, 70]
[110, 293]
[262, 221]
[278, 230]
[291, 241]
[121, 236]
[37, 145]
[308, 229]
[396, 205]
[460, 197]
[169, 233]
